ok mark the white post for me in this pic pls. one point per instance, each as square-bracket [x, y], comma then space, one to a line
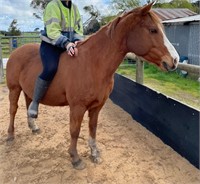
[1, 66]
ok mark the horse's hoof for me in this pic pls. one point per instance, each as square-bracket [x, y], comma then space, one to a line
[79, 165]
[10, 138]
[96, 160]
[36, 131]
[33, 126]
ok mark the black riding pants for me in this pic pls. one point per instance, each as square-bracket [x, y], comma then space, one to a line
[50, 55]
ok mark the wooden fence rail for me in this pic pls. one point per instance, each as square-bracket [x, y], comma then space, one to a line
[9, 43]
[194, 69]
[189, 68]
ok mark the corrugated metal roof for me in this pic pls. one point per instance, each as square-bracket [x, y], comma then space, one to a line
[169, 14]
[184, 19]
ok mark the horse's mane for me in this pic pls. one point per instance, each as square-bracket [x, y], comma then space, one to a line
[110, 27]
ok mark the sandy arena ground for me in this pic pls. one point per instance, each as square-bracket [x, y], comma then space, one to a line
[131, 154]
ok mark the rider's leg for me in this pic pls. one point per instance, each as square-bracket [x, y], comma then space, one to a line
[40, 89]
[50, 59]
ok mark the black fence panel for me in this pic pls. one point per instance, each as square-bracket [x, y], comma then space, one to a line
[173, 122]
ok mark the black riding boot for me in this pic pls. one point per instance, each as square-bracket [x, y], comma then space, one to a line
[40, 89]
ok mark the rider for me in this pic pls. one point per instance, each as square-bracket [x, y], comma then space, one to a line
[63, 28]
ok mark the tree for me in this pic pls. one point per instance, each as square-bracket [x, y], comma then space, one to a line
[92, 24]
[36, 29]
[122, 5]
[13, 30]
[39, 5]
[182, 4]
[176, 4]
[93, 12]
[197, 6]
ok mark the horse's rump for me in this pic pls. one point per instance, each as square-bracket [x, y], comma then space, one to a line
[23, 67]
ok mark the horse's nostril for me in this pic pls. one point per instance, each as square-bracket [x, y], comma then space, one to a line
[175, 61]
[165, 65]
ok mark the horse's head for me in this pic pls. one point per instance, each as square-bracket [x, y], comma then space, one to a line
[147, 39]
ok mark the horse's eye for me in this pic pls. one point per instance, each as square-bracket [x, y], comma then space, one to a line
[153, 31]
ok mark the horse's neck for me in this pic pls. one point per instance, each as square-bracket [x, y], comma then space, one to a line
[109, 52]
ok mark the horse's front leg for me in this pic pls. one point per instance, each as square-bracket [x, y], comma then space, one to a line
[93, 119]
[76, 117]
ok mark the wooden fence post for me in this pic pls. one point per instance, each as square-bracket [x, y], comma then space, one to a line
[1, 66]
[139, 71]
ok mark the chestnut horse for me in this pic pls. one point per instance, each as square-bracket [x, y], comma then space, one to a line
[85, 82]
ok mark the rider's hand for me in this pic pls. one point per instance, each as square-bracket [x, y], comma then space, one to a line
[71, 49]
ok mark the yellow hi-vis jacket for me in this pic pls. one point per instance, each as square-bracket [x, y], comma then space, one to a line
[62, 25]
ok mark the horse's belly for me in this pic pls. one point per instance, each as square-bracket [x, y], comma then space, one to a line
[51, 98]
[55, 99]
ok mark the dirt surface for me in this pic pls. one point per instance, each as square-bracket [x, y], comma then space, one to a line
[130, 153]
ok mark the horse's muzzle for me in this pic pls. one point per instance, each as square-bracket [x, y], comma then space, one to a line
[170, 68]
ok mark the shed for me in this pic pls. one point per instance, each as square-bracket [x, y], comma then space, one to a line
[184, 33]
[182, 28]
[170, 14]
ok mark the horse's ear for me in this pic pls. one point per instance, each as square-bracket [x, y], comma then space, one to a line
[147, 8]
[154, 2]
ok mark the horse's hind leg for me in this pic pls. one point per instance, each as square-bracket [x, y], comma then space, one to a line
[14, 94]
[31, 121]
[93, 119]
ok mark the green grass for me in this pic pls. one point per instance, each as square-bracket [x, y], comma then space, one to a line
[172, 84]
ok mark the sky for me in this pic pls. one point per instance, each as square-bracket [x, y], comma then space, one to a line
[21, 10]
